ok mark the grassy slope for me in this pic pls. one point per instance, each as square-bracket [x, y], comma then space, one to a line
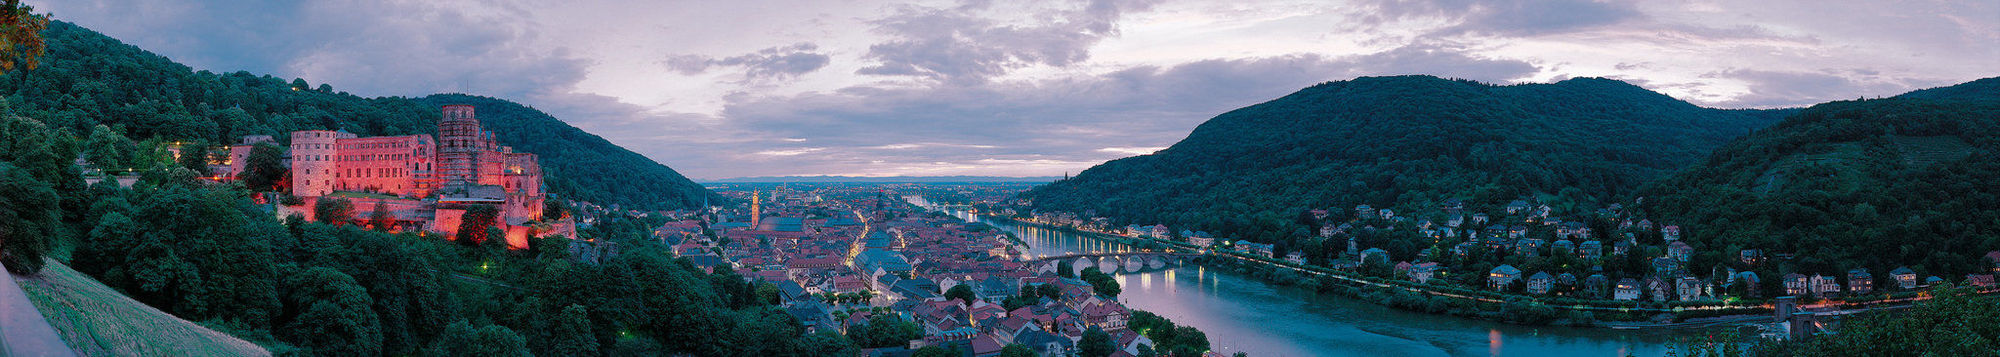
[99, 321]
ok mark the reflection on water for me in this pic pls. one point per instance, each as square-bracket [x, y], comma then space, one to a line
[1243, 314]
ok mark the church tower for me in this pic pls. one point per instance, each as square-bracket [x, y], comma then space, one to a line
[756, 209]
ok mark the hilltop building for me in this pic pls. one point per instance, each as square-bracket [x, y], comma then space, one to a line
[426, 182]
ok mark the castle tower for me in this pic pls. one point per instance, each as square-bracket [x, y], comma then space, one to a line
[459, 145]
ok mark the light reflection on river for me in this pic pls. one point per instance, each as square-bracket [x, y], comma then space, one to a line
[1243, 314]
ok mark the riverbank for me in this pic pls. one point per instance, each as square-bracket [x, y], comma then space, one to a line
[1483, 305]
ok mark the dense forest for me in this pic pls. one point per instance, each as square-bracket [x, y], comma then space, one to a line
[1876, 184]
[87, 79]
[1405, 142]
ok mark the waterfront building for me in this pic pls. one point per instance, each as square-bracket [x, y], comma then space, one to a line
[1905, 278]
[1502, 276]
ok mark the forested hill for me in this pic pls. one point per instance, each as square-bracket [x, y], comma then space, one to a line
[579, 164]
[87, 79]
[1911, 180]
[1405, 142]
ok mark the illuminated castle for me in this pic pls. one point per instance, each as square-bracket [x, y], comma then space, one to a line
[434, 180]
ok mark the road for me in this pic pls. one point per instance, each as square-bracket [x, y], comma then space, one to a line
[23, 331]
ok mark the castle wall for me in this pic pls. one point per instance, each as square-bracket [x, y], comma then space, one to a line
[398, 165]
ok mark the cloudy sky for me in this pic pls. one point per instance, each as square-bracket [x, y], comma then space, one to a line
[721, 89]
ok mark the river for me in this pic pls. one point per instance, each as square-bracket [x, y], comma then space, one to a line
[1244, 314]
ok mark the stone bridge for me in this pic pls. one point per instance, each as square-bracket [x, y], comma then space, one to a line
[1129, 262]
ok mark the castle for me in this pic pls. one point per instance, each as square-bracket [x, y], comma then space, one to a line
[426, 183]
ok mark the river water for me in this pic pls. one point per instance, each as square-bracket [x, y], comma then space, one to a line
[1244, 314]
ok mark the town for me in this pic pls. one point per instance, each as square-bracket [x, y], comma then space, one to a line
[1605, 261]
[861, 261]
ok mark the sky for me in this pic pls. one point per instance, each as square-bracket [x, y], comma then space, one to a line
[719, 89]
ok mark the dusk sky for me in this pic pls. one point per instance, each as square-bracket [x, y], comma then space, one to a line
[720, 89]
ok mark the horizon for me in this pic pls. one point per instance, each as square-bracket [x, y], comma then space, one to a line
[722, 91]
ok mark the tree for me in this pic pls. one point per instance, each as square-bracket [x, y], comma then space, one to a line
[1096, 343]
[107, 150]
[1104, 284]
[194, 156]
[886, 331]
[827, 343]
[934, 351]
[570, 333]
[30, 219]
[264, 169]
[335, 319]
[1016, 350]
[332, 210]
[381, 219]
[963, 293]
[21, 44]
[473, 225]
[460, 339]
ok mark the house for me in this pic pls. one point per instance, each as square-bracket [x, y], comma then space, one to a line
[1825, 286]
[1134, 230]
[1529, 247]
[1993, 258]
[1044, 343]
[1905, 278]
[1258, 249]
[1372, 253]
[1295, 258]
[1860, 282]
[1750, 256]
[1671, 233]
[1666, 266]
[1750, 280]
[1478, 219]
[1590, 249]
[1388, 214]
[1502, 276]
[1364, 212]
[1517, 206]
[1565, 281]
[1423, 272]
[1200, 241]
[1562, 247]
[1595, 286]
[1540, 283]
[1658, 289]
[1797, 284]
[1680, 251]
[1627, 290]
[1689, 288]
[1981, 281]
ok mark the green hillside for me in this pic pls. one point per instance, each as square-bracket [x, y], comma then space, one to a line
[98, 321]
[1405, 142]
[87, 79]
[1876, 184]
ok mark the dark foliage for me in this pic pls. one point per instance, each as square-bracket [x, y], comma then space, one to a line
[1876, 184]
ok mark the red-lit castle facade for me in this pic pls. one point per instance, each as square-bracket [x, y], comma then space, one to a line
[433, 180]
